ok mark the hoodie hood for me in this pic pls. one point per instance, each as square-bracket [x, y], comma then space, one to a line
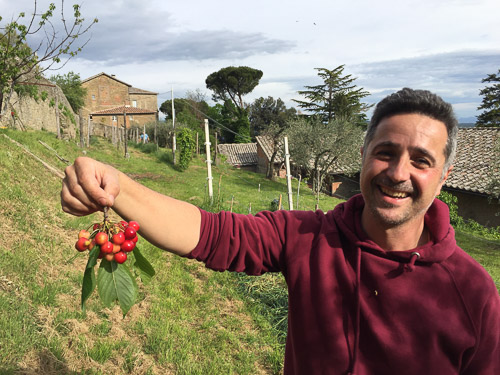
[347, 216]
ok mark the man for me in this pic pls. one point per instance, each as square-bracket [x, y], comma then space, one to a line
[376, 286]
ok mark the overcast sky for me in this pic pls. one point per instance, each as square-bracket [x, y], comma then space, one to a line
[446, 46]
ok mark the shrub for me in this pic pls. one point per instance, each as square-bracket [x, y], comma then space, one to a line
[187, 145]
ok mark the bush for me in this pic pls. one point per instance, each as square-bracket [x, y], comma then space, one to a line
[470, 225]
[187, 146]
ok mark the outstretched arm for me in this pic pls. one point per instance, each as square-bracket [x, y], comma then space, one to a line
[168, 223]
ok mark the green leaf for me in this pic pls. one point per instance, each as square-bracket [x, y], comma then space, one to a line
[89, 282]
[88, 285]
[146, 270]
[94, 253]
[115, 282]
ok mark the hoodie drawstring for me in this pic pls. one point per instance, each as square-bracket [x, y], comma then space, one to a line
[358, 313]
[410, 266]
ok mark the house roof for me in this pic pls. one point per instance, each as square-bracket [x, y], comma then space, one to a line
[135, 90]
[266, 145]
[117, 111]
[107, 75]
[239, 154]
[476, 154]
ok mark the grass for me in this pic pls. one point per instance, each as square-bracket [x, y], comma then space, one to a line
[188, 320]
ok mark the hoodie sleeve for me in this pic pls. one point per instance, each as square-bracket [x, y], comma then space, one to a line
[486, 357]
[241, 243]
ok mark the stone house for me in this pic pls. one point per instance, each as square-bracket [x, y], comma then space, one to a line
[112, 102]
[264, 154]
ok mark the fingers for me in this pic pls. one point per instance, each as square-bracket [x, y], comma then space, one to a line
[88, 187]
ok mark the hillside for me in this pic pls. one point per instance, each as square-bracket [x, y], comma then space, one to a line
[188, 320]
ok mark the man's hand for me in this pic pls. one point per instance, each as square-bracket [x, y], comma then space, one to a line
[88, 187]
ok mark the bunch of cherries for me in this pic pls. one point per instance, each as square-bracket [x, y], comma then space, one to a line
[114, 239]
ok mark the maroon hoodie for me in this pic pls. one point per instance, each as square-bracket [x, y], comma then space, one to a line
[355, 308]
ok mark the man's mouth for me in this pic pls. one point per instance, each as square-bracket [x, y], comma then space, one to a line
[394, 193]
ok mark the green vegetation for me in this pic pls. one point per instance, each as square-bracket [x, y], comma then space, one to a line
[188, 320]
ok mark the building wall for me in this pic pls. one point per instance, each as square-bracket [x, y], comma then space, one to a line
[104, 93]
[478, 208]
[144, 101]
[42, 114]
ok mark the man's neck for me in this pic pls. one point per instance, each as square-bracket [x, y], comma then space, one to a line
[403, 237]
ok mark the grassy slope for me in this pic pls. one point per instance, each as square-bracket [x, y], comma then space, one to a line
[188, 320]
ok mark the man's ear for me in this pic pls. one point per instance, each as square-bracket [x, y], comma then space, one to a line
[443, 180]
[361, 149]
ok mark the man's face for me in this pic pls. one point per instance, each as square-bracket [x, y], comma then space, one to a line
[402, 169]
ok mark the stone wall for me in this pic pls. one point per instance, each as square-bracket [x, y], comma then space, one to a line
[43, 112]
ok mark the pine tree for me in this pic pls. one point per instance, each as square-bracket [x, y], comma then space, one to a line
[490, 117]
[337, 97]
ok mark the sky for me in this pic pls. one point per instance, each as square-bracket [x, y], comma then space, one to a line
[445, 46]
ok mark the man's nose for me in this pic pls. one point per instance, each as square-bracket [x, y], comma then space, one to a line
[399, 170]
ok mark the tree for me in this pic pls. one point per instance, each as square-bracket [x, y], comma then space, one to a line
[191, 110]
[232, 83]
[18, 60]
[270, 118]
[336, 97]
[316, 146]
[72, 88]
[266, 111]
[229, 85]
[491, 102]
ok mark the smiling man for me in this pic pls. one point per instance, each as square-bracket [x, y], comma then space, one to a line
[376, 286]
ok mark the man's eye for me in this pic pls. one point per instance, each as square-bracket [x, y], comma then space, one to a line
[422, 162]
[384, 154]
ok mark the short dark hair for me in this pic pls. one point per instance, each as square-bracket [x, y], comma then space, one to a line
[407, 101]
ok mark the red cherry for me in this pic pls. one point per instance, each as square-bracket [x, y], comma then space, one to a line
[82, 244]
[96, 226]
[130, 233]
[107, 247]
[128, 246]
[124, 224]
[134, 224]
[116, 248]
[118, 238]
[101, 238]
[109, 257]
[120, 257]
[135, 239]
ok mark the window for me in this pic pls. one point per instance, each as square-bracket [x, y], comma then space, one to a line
[134, 103]
[93, 97]
[113, 118]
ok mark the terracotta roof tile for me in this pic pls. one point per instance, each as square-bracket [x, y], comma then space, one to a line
[239, 154]
[116, 111]
[475, 156]
[135, 90]
[266, 145]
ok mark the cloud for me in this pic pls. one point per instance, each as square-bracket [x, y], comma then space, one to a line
[189, 45]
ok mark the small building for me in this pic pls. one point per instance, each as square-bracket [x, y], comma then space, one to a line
[240, 155]
[109, 98]
[473, 172]
[264, 154]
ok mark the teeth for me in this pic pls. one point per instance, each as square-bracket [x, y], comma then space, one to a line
[393, 193]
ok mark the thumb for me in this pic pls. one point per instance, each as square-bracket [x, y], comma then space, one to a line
[111, 189]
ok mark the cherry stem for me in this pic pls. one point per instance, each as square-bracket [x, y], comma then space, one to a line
[105, 215]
